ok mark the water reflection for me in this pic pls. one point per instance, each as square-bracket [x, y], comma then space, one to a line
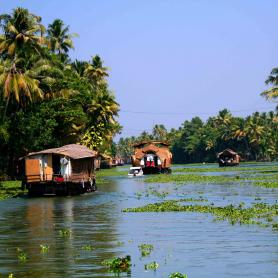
[186, 242]
[39, 221]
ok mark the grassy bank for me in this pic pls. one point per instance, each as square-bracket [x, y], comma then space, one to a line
[10, 189]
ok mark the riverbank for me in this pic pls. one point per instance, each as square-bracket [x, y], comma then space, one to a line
[11, 189]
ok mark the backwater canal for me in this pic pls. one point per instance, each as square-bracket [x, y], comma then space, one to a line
[187, 242]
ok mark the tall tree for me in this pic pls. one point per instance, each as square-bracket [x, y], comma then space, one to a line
[59, 38]
[96, 72]
[272, 92]
[22, 32]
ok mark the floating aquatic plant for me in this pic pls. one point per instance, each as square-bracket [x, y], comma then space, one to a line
[234, 169]
[270, 184]
[145, 249]
[275, 226]
[189, 178]
[22, 256]
[155, 192]
[152, 266]
[231, 213]
[65, 232]
[177, 275]
[44, 248]
[138, 195]
[118, 264]
[87, 247]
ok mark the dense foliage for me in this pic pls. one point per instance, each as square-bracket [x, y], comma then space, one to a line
[48, 100]
[254, 137]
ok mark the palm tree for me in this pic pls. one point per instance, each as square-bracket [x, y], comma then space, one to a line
[79, 67]
[48, 73]
[224, 117]
[103, 108]
[22, 32]
[59, 38]
[18, 85]
[272, 93]
[96, 72]
[159, 132]
[254, 133]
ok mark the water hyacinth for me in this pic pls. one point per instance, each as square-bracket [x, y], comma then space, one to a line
[22, 256]
[177, 275]
[189, 178]
[232, 214]
[152, 266]
[145, 249]
[44, 248]
[65, 232]
[270, 184]
[118, 264]
[87, 247]
[224, 169]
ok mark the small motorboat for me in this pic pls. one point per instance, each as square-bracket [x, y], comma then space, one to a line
[135, 172]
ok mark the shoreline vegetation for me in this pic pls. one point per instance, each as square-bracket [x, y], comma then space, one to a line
[11, 189]
[47, 99]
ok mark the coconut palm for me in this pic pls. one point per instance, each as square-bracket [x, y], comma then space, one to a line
[159, 132]
[79, 67]
[224, 117]
[58, 36]
[22, 32]
[17, 85]
[96, 72]
[272, 92]
[103, 108]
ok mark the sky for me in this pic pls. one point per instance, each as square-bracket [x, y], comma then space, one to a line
[171, 60]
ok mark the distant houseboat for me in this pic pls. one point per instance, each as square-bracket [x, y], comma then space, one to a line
[228, 158]
[152, 156]
[67, 170]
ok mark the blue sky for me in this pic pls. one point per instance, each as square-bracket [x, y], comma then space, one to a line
[172, 60]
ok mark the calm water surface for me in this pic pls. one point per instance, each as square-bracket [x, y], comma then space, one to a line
[190, 243]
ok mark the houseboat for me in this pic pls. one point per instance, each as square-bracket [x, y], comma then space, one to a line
[68, 170]
[152, 156]
[228, 158]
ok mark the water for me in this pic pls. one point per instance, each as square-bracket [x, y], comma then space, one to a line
[190, 243]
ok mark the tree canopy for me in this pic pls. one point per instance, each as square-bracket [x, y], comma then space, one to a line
[48, 100]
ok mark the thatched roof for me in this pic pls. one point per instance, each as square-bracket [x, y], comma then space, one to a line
[142, 143]
[104, 156]
[73, 151]
[227, 152]
[150, 147]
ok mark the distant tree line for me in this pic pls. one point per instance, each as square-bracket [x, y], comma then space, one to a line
[254, 137]
[47, 99]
